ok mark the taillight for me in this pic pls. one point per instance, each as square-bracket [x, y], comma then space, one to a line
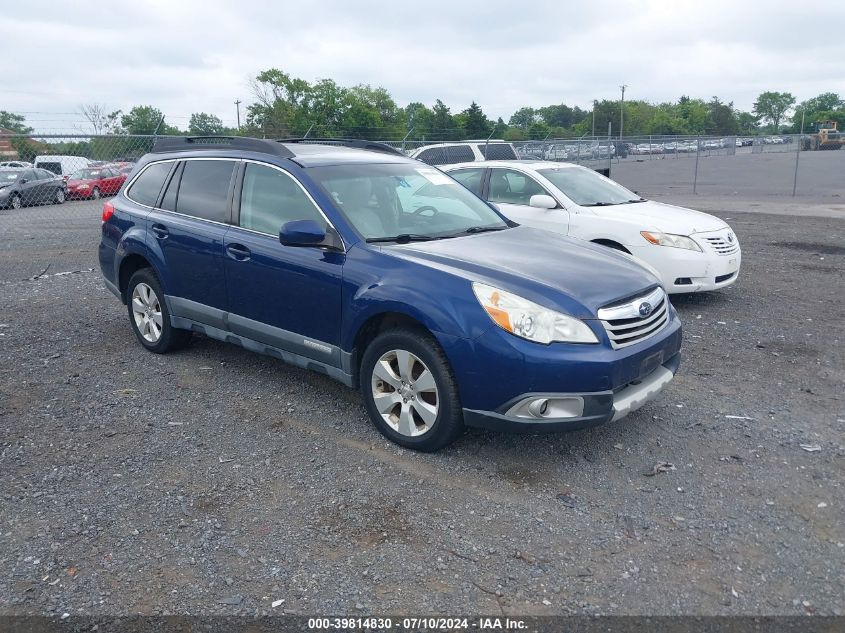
[108, 211]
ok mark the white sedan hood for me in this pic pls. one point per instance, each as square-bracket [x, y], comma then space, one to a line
[664, 217]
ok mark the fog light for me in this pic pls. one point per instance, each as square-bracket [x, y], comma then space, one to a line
[548, 407]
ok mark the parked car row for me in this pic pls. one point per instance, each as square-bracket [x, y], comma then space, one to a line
[518, 295]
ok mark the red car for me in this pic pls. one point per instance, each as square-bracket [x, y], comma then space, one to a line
[93, 182]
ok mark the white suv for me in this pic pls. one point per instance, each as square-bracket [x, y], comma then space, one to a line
[465, 151]
[690, 250]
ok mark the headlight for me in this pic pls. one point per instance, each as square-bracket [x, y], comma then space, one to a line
[530, 321]
[667, 239]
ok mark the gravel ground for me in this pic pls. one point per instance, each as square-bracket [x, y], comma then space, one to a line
[215, 481]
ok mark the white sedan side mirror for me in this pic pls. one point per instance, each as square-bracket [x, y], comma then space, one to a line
[542, 201]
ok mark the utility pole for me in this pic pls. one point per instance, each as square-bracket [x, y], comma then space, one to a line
[622, 112]
[238, 110]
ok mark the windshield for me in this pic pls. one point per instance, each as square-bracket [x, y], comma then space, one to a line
[410, 201]
[587, 188]
[86, 174]
[8, 176]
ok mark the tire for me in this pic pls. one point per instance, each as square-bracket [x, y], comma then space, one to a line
[149, 316]
[95, 193]
[418, 407]
[16, 202]
[60, 196]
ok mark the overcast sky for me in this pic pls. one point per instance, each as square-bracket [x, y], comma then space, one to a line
[186, 56]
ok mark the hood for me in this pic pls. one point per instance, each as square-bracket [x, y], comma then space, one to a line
[666, 218]
[72, 182]
[559, 272]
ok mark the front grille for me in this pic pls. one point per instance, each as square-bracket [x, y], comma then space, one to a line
[625, 324]
[722, 246]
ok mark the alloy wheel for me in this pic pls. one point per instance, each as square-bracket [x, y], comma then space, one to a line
[146, 310]
[405, 393]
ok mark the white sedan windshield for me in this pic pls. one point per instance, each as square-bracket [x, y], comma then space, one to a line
[587, 188]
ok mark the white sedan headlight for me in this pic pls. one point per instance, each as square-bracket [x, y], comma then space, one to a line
[530, 321]
[667, 239]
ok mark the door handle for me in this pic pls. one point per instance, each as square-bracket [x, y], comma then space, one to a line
[238, 252]
[160, 230]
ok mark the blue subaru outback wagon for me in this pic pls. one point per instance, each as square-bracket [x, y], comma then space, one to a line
[382, 272]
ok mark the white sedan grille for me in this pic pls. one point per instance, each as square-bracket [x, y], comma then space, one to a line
[726, 244]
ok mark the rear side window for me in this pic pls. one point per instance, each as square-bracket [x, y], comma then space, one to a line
[270, 198]
[497, 151]
[469, 178]
[448, 155]
[55, 168]
[148, 185]
[513, 187]
[204, 189]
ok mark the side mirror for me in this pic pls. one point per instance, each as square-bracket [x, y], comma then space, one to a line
[301, 233]
[542, 201]
[309, 233]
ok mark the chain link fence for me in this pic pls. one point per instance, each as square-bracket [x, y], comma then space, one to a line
[52, 187]
[44, 169]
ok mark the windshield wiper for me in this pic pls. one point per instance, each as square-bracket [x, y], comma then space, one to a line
[484, 229]
[601, 204]
[402, 238]
[636, 200]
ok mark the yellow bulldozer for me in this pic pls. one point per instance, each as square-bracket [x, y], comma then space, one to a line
[825, 137]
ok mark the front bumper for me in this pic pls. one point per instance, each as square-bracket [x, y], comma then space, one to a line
[598, 407]
[684, 271]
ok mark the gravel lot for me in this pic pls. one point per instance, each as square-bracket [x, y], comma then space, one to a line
[218, 481]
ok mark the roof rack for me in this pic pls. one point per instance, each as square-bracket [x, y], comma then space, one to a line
[183, 143]
[374, 146]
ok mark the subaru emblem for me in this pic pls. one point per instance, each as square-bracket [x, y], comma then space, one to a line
[645, 309]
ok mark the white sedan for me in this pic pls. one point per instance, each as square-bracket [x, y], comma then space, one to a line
[690, 250]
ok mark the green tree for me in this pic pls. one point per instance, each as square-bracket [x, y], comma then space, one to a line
[772, 106]
[442, 120]
[475, 122]
[205, 124]
[282, 104]
[747, 123]
[14, 122]
[722, 118]
[145, 120]
[419, 118]
[823, 107]
[523, 118]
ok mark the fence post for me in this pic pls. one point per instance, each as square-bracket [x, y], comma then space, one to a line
[798, 155]
[609, 145]
[697, 152]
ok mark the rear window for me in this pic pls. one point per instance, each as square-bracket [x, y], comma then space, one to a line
[204, 189]
[497, 151]
[448, 155]
[56, 168]
[148, 185]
